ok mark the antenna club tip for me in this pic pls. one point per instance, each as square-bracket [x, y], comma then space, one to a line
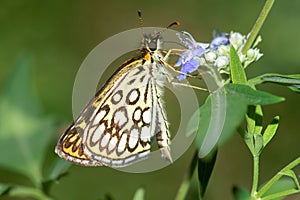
[177, 23]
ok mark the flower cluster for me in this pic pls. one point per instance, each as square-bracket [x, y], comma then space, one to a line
[216, 53]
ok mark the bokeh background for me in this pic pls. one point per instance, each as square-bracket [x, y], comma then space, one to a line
[58, 35]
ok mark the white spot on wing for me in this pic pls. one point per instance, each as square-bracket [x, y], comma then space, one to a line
[145, 134]
[120, 117]
[133, 96]
[117, 97]
[99, 117]
[122, 143]
[137, 115]
[105, 140]
[98, 133]
[112, 143]
[147, 116]
[134, 137]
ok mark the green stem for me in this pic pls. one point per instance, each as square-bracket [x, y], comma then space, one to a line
[255, 176]
[258, 24]
[292, 164]
[185, 185]
[277, 177]
[182, 191]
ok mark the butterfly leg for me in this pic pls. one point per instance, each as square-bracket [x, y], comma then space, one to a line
[173, 51]
[190, 86]
[198, 76]
[162, 133]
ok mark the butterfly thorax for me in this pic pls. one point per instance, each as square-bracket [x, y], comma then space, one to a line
[152, 44]
[152, 54]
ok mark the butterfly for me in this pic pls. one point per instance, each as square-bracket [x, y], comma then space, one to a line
[118, 125]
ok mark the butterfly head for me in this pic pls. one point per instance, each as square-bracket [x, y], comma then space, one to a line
[152, 42]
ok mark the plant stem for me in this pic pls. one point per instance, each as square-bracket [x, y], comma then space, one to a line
[185, 185]
[258, 24]
[278, 176]
[252, 36]
[255, 176]
[182, 191]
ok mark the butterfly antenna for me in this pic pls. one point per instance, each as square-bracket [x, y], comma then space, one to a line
[141, 21]
[173, 24]
[170, 25]
[140, 17]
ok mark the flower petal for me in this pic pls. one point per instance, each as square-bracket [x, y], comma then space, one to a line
[181, 77]
[222, 61]
[193, 64]
[198, 52]
[221, 39]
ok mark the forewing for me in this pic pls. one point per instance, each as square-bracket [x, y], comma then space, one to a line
[120, 132]
[115, 128]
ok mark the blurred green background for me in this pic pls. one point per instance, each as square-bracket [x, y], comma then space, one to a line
[58, 35]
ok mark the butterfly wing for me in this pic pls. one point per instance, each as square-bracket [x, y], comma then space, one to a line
[71, 148]
[116, 127]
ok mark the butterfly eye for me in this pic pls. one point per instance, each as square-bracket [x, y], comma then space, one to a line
[152, 46]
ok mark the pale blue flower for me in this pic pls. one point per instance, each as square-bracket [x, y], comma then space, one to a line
[221, 39]
[190, 59]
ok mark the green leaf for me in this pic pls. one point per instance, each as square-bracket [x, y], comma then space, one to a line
[30, 192]
[237, 71]
[295, 88]
[248, 139]
[258, 144]
[291, 173]
[4, 188]
[270, 130]
[194, 188]
[253, 97]
[222, 113]
[240, 193]
[254, 120]
[281, 188]
[288, 174]
[139, 194]
[205, 168]
[59, 168]
[292, 81]
[24, 132]
[218, 118]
